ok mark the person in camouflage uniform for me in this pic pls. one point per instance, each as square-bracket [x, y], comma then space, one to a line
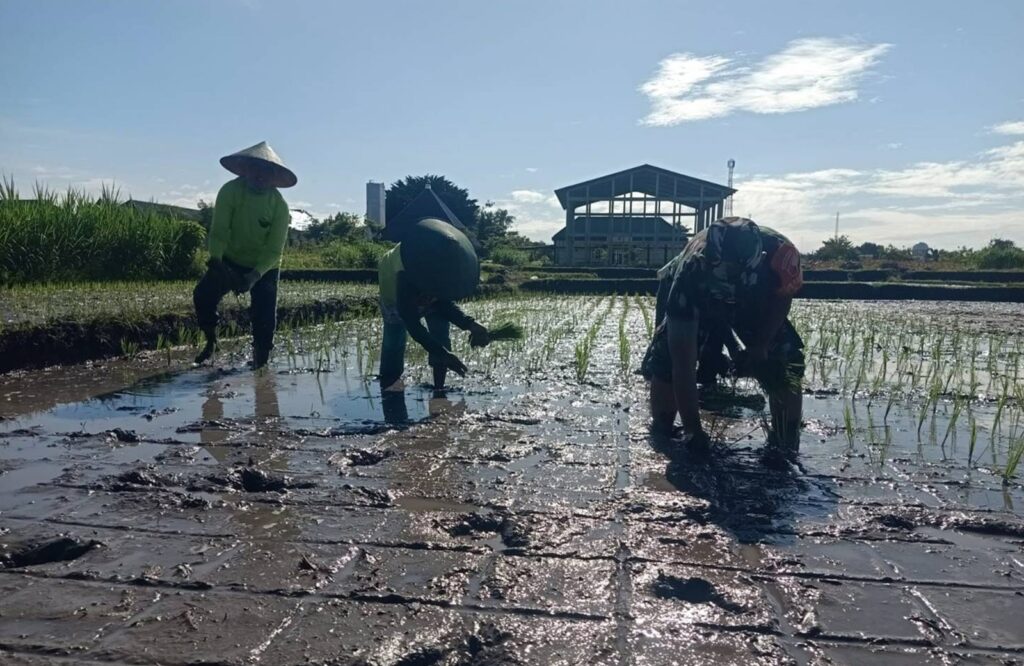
[734, 279]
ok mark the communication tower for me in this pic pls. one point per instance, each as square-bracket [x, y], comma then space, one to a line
[728, 202]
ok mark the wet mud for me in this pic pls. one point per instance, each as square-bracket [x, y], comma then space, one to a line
[524, 516]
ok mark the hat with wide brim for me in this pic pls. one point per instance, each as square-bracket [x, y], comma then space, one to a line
[260, 160]
[440, 259]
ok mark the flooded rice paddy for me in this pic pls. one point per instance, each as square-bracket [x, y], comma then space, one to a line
[526, 515]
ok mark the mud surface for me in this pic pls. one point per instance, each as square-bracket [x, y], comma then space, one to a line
[525, 516]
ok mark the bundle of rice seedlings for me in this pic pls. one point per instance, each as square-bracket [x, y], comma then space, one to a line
[507, 331]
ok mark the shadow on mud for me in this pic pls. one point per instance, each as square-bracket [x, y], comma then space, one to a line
[753, 500]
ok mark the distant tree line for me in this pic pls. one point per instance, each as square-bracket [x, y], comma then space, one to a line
[999, 254]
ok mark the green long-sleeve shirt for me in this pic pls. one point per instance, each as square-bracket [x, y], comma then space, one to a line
[249, 227]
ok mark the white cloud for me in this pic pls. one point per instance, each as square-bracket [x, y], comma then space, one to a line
[538, 215]
[531, 169]
[807, 74]
[1012, 128]
[528, 196]
[947, 204]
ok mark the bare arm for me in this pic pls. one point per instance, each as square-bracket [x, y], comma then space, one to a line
[682, 344]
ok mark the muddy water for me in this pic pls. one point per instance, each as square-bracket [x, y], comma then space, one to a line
[525, 516]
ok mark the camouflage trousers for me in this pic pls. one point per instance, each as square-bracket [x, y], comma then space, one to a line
[782, 371]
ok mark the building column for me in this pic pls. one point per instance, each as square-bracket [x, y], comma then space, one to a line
[570, 241]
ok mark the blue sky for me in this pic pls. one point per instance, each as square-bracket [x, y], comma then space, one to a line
[906, 117]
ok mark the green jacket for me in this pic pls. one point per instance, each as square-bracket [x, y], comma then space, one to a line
[388, 268]
[249, 227]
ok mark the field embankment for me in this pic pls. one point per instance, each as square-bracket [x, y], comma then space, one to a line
[72, 323]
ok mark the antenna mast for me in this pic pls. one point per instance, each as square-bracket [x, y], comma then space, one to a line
[728, 201]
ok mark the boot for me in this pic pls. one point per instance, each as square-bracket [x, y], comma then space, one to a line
[260, 356]
[782, 449]
[210, 349]
[440, 376]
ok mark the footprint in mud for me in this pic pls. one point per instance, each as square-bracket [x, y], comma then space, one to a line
[486, 645]
[256, 480]
[138, 480]
[34, 553]
[513, 534]
[908, 519]
[693, 590]
[360, 458]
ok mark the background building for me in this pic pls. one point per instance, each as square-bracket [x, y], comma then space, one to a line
[375, 203]
[634, 217]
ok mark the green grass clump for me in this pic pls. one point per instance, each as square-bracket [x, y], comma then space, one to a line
[73, 236]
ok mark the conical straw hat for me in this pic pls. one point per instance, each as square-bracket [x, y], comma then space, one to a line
[262, 159]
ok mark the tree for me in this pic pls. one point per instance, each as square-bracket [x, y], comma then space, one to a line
[402, 192]
[492, 225]
[839, 248]
[1000, 254]
[873, 250]
[340, 226]
[205, 214]
[1002, 244]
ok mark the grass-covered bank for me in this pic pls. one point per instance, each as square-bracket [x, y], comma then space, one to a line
[55, 325]
[34, 305]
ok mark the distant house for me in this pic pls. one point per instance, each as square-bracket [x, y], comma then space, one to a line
[165, 210]
[634, 217]
[921, 251]
[620, 241]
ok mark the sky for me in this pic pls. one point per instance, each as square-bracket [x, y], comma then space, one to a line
[906, 118]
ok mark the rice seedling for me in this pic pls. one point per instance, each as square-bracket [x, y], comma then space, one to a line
[507, 331]
[848, 423]
[624, 350]
[129, 349]
[973, 442]
[646, 314]
[1013, 457]
[958, 405]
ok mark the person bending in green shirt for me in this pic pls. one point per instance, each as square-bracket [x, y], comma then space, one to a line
[421, 278]
[247, 236]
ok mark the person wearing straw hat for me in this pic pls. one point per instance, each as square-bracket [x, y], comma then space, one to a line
[432, 266]
[246, 240]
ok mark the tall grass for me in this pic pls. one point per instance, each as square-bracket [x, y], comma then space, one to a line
[72, 236]
[336, 254]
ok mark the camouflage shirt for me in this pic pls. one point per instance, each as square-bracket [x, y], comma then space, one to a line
[731, 266]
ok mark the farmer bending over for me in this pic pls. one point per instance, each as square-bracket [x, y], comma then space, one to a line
[247, 236]
[733, 277]
[420, 278]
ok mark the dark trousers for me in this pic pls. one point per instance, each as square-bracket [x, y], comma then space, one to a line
[392, 353]
[216, 284]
